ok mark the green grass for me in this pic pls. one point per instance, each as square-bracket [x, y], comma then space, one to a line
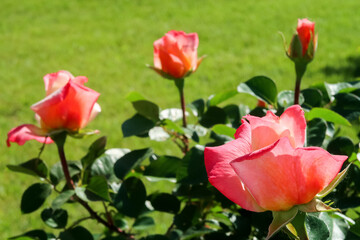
[111, 41]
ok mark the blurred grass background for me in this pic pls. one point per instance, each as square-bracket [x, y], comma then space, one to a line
[111, 41]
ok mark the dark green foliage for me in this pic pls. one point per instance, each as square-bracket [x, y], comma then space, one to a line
[34, 197]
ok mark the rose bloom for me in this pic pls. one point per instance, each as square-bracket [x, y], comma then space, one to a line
[266, 167]
[68, 105]
[175, 54]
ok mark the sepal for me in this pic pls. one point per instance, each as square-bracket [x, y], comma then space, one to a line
[281, 219]
[334, 183]
[295, 49]
[316, 205]
[168, 76]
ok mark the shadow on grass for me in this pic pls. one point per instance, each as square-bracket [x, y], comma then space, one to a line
[350, 69]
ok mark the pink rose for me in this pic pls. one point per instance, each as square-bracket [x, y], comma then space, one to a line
[175, 54]
[69, 105]
[267, 168]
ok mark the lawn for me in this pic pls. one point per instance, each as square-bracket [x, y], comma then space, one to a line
[110, 42]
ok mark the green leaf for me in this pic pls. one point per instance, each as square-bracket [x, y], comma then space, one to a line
[188, 217]
[212, 116]
[155, 237]
[57, 174]
[163, 167]
[347, 105]
[327, 115]
[173, 114]
[35, 167]
[280, 219]
[143, 223]
[120, 221]
[192, 170]
[164, 202]
[96, 149]
[130, 160]
[197, 107]
[234, 114]
[199, 130]
[285, 99]
[87, 195]
[260, 87]
[341, 146]
[338, 228]
[312, 97]
[316, 132]
[221, 97]
[34, 234]
[137, 125]
[219, 138]
[144, 107]
[104, 166]
[130, 200]
[98, 185]
[134, 96]
[147, 109]
[194, 232]
[158, 134]
[335, 88]
[62, 198]
[54, 218]
[316, 228]
[173, 126]
[355, 229]
[34, 197]
[224, 130]
[76, 233]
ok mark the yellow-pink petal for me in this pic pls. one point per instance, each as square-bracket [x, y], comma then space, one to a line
[68, 108]
[280, 176]
[26, 132]
[222, 176]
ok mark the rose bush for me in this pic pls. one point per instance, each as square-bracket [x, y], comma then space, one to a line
[68, 105]
[266, 166]
[175, 54]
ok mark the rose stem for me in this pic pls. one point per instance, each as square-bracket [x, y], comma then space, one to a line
[59, 139]
[180, 85]
[300, 69]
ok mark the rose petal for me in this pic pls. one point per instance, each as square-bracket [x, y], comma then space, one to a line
[26, 132]
[57, 80]
[171, 64]
[279, 176]
[157, 44]
[68, 108]
[294, 120]
[305, 30]
[269, 129]
[222, 176]
[188, 44]
[95, 111]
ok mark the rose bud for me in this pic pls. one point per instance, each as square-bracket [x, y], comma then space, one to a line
[304, 43]
[175, 54]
